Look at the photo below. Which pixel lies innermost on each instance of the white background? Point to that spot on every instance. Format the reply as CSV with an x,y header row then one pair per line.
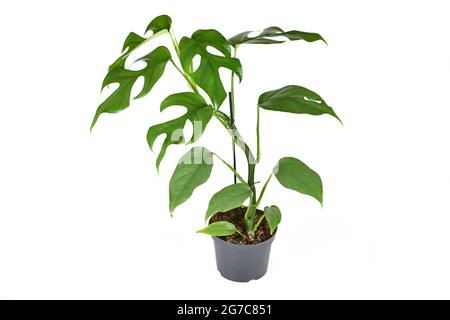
x,y
86,215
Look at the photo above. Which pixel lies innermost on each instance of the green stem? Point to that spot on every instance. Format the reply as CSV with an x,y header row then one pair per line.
x,y
258,144
234,132
174,42
241,234
230,167
189,81
258,223
263,190
232,88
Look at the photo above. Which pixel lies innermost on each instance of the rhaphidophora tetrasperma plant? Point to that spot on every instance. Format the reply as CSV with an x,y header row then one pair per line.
x,y
195,167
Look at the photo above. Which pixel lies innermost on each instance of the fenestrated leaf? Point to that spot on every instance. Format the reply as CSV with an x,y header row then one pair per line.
x,y
159,26
193,169
294,174
120,99
198,113
228,198
273,217
265,37
295,99
207,75
132,42
160,23
219,229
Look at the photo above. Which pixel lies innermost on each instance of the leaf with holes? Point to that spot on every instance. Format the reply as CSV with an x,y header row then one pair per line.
x,y
207,74
219,229
198,113
228,198
193,169
158,26
273,217
295,175
295,99
267,35
160,23
120,99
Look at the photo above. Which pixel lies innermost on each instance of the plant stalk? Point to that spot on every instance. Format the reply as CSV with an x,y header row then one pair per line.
x,y
258,144
235,173
230,98
251,163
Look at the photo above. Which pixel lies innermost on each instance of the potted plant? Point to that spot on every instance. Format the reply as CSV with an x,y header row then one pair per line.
x,y
242,233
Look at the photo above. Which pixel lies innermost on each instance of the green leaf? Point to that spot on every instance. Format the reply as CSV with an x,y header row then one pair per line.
x,y
159,26
219,229
160,23
120,99
207,75
198,113
295,99
193,169
265,37
294,174
273,217
228,198
132,42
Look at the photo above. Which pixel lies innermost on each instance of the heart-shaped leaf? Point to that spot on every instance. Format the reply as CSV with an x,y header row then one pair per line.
x,y
198,113
294,174
159,26
219,229
120,99
265,37
295,99
207,75
228,198
273,217
193,169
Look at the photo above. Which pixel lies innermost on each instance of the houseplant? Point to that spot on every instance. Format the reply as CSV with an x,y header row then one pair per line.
x,y
242,233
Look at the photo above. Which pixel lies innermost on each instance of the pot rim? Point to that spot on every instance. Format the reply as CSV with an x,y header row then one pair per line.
x,y
268,241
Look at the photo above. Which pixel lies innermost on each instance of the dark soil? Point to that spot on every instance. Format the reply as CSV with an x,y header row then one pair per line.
x,y
236,216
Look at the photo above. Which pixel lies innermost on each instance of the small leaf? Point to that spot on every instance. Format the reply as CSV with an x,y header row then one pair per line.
x,y
207,75
160,23
273,217
219,229
193,169
295,99
198,113
120,98
228,198
265,37
294,174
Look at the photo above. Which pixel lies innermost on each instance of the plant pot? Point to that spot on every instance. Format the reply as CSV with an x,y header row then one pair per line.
x,y
242,263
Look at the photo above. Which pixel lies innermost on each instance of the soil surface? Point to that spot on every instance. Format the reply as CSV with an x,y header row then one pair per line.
x,y
236,216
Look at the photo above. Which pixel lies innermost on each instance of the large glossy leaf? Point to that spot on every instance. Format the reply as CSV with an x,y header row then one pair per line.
x,y
219,229
228,198
295,99
198,113
120,99
273,217
267,35
294,174
207,74
158,26
193,169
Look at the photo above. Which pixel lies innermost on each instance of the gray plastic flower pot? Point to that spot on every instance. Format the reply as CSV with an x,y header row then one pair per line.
x,y
242,263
